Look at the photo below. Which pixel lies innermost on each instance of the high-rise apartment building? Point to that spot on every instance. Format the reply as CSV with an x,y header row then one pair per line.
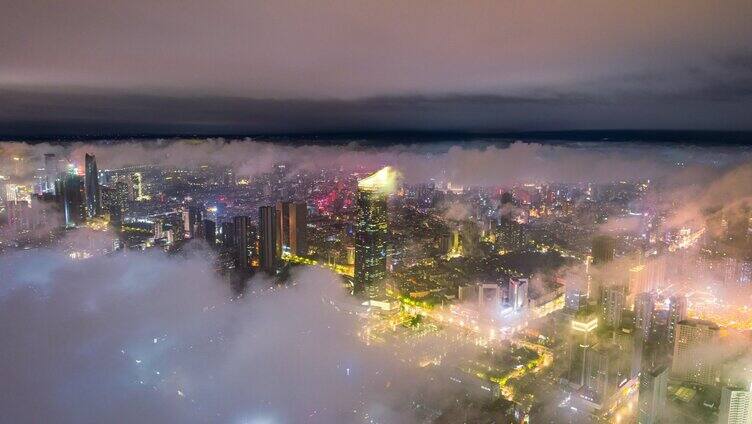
x,y
268,239
736,406
644,308
692,361
245,241
677,311
652,395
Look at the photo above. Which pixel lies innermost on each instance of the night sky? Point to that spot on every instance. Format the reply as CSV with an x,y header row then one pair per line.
x,y
88,67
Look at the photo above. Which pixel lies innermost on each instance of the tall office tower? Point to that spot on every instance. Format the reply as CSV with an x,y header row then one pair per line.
x,y
191,221
291,228
677,311
518,293
652,395
209,231
603,250
692,362
51,172
72,188
298,226
581,339
612,304
227,234
245,242
282,227
268,239
371,232
91,182
644,307
736,406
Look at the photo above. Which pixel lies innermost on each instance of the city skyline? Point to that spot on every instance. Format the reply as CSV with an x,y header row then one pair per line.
x,y
525,281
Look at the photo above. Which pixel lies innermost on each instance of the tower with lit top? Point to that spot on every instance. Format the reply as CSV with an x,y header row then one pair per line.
x,y
71,189
371,231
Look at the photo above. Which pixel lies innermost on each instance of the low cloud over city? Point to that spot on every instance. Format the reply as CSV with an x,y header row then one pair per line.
x,y
147,337
252,281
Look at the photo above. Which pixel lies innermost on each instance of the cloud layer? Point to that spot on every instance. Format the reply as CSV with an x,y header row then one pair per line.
x,y
150,338
475,163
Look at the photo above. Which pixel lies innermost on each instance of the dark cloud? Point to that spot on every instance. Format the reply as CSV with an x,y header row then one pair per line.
x,y
50,114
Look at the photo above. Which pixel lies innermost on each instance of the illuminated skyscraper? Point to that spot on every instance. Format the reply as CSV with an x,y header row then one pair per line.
x,y
137,187
72,188
612,304
581,339
298,225
268,239
576,292
736,406
677,311
644,306
652,396
371,231
91,183
692,362
191,221
291,228
282,236
245,242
